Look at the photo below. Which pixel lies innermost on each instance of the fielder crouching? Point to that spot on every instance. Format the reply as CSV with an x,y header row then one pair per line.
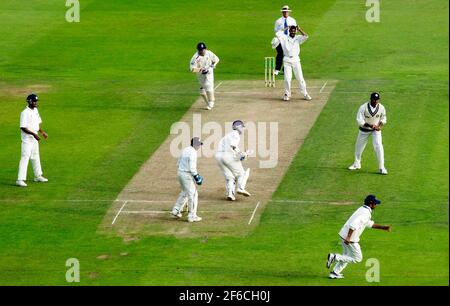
x,y
229,159
188,177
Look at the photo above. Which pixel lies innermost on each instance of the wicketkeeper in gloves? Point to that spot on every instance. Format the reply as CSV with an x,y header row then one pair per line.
x,y
349,236
203,64
230,157
187,177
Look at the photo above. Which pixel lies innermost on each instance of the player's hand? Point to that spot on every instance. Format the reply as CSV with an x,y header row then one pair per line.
x,y
198,179
376,127
36,136
45,135
205,71
388,228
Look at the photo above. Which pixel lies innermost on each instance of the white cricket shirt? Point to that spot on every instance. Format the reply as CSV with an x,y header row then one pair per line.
x,y
360,220
280,23
231,139
30,119
205,61
188,161
371,115
291,46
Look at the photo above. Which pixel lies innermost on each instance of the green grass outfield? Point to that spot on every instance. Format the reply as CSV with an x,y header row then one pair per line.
x,y
105,116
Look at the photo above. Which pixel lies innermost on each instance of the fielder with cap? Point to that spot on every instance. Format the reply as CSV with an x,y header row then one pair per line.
x,y
203,63
30,121
291,49
371,117
280,25
229,158
187,177
349,237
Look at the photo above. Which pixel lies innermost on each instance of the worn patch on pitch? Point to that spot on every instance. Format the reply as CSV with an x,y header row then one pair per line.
x,y
143,207
22,91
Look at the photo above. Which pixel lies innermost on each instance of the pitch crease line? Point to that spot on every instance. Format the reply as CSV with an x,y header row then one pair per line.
x,y
253,214
323,87
118,213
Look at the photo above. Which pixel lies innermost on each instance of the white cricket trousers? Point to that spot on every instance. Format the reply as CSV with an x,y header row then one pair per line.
x,y
361,142
297,67
232,170
188,194
30,150
351,254
207,86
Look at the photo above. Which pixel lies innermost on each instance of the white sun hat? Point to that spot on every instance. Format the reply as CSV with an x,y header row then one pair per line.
x,y
285,9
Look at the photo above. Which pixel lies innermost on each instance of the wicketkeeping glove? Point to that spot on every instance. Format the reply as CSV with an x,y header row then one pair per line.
x,y
198,179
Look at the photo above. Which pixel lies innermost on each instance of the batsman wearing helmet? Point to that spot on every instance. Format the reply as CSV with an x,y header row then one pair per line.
x,y
30,121
229,158
188,177
203,64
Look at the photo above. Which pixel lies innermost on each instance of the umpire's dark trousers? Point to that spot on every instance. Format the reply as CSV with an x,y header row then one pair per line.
x,y
279,58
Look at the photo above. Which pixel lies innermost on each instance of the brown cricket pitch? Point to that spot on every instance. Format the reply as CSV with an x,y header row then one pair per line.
x,y
152,192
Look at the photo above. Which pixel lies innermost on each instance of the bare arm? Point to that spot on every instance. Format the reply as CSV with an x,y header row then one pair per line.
x,y
43,133
301,31
27,131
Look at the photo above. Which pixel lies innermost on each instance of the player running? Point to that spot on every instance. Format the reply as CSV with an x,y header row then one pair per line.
x,y
349,237
203,64
229,158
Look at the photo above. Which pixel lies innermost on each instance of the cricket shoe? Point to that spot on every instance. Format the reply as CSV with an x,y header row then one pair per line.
x,y
383,171
330,259
231,197
285,97
21,184
354,167
307,97
243,192
40,179
334,275
276,72
176,213
210,105
194,219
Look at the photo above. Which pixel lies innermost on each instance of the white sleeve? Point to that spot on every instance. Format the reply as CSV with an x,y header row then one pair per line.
x,y
277,26
360,116
369,224
193,164
39,116
215,59
383,117
24,120
192,63
302,38
280,34
234,141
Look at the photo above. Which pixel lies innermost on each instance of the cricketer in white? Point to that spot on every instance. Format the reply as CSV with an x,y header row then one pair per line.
x,y
203,63
229,158
30,121
349,236
371,117
291,60
188,177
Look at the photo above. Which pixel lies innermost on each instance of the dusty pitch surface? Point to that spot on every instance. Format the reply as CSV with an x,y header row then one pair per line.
x,y
143,206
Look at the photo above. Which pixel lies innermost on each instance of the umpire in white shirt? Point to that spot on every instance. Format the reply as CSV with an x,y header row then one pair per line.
x,y
188,177
280,25
30,121
349,236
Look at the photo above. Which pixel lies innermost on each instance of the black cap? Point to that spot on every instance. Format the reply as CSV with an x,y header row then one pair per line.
x,y
32,98
196,142
201,46
371,199
374,96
